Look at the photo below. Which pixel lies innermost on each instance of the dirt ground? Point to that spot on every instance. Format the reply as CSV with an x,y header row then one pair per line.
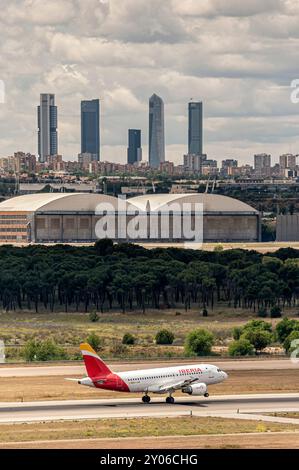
x,y
137,428
237,441
57,388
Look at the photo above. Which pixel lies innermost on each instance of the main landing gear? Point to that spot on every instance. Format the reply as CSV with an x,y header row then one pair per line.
x,y
146,399
170,400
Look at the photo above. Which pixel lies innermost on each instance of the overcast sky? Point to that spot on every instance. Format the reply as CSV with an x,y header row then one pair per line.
x,y
237,56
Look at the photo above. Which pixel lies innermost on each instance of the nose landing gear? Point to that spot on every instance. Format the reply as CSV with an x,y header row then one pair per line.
x,y
207,395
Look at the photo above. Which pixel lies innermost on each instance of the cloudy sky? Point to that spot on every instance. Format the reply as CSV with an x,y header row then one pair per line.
x,y
238,57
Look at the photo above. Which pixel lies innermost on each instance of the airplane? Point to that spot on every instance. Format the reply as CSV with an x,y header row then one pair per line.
x,y
192,380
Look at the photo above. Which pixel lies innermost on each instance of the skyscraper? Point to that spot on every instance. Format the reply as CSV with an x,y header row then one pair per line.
x,y
156,131
195,137
262,164
47,127
90,128
134,148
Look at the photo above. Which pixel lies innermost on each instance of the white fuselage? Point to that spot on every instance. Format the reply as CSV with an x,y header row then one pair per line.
x,y
153,380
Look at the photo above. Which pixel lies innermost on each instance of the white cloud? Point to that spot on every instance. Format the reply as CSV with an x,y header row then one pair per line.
x,y
238,57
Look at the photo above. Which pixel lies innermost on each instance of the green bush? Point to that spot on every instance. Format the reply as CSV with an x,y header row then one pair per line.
x,y
275,312
94,317
259,338
205,313
164,337
288,342
262,313
237,331
128,339
47,350
95,341
199,342
285,327
257,325
241,347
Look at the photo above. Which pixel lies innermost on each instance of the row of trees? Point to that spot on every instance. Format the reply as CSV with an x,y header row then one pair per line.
x,y
107,276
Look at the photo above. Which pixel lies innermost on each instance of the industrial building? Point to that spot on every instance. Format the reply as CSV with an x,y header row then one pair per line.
x,y
75,217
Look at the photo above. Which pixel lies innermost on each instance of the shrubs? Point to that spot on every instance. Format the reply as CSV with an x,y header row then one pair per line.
x,y
289,348
95,341
94,317
257,333
164,337
237,331
205,312
199,342
47,350
285,327
129,339
241,347
262,313
259,338
275,312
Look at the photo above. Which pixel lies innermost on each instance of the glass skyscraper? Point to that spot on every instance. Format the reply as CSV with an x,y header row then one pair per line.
x,y
47,127
195,138
134,147
156,131
90,128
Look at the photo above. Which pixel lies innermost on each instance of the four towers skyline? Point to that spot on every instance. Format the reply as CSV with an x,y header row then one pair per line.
x,y
90,130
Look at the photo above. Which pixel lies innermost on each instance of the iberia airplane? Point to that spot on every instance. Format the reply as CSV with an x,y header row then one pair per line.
x,y
193,380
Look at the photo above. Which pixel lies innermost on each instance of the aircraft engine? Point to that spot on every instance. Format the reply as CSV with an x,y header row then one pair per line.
x,y
196,389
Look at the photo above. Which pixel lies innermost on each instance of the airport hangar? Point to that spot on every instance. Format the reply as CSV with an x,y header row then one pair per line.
x,y
72,217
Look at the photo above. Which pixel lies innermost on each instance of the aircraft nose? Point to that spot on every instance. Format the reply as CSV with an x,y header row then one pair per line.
x,y
225,375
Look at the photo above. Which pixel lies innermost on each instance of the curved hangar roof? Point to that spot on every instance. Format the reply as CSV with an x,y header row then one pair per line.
x,y
64,202
50,202
211,202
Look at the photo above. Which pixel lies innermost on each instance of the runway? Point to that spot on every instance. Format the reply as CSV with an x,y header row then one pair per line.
x,y
79,370
228,406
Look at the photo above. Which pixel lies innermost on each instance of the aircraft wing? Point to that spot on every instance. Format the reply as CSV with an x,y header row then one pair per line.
x,y
177,386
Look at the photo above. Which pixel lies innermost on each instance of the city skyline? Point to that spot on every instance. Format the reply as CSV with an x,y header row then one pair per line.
x,y
231,56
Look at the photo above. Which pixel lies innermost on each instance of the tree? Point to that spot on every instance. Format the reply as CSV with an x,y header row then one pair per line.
x,y
241,347
104,247
237,331
164,337
258,325
262,312
259,338
199,342
285,327
275,312
128,339
205,312
288,344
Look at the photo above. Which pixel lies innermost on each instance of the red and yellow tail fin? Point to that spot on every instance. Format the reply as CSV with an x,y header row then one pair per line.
x,y
94,365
